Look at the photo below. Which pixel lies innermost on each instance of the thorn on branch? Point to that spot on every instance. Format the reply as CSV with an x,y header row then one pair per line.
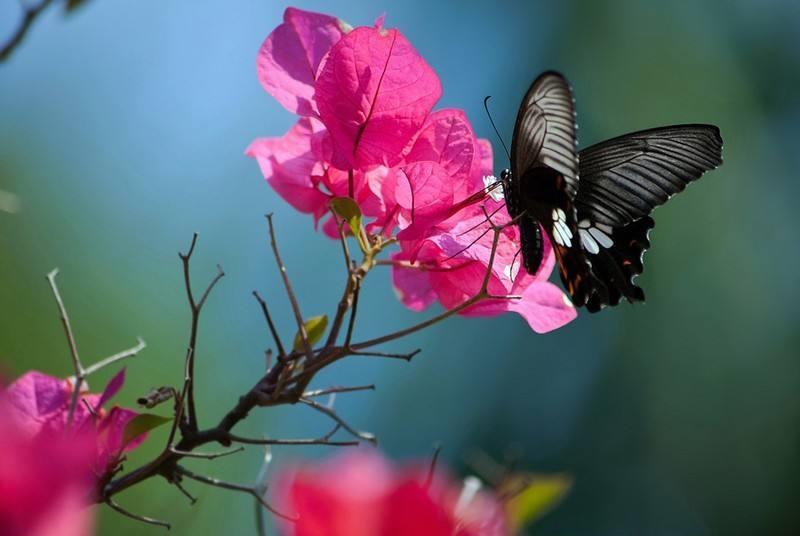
x,y
144,519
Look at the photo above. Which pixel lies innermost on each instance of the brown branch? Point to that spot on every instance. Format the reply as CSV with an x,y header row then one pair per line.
x,y
177,484
405,357
234,487
366,436
205,455
195,307
301,326
270,324
73,347
130,352
29,15
82,373
144,519
332,390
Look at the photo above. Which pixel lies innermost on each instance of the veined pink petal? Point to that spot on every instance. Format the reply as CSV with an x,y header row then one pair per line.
x,y
446,138
112,388
374,91
290,56
543,305
289,165
423,191
413,287
37,399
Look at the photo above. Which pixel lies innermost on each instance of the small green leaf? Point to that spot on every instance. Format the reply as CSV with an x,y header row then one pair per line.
x,y
536,495
140,424
315,329
348,210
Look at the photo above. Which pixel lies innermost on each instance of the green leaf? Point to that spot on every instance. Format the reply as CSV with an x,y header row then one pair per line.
x,y
347,209
140,424
315,329
535,496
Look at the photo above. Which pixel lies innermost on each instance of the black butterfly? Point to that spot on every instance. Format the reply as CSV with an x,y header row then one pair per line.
x,y
595,205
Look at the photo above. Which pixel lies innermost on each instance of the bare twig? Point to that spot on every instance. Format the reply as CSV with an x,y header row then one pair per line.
x,y
206,455
405,357
270,324
177,483
301,327
144,519
29,15
196,307
73,347
366,436
235,487
353,309
130,352
329,390
324,440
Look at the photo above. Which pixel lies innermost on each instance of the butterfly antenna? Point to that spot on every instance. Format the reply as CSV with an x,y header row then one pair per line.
x,y
486,107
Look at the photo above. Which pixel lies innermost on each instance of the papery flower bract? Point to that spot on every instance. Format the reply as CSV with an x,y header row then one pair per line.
x,y
45,480
290,56
374,92
361,494
451,266
291,167
40,405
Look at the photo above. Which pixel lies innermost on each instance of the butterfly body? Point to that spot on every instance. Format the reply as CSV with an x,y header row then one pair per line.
x,y
595,205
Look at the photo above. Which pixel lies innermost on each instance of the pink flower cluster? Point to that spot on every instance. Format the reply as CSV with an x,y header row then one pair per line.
x,y
367,130
48,472
362,494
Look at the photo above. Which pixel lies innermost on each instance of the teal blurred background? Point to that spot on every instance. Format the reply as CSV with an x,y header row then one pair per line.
x,y
122,131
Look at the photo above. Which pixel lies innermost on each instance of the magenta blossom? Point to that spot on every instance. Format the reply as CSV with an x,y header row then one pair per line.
x,y
362,494
40,405
367,131
45,487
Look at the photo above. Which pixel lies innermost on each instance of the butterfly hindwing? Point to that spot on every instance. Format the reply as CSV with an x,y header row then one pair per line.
x,y
622,181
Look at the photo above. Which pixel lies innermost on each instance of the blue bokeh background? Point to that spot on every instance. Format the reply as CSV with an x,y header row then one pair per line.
x,y
122,131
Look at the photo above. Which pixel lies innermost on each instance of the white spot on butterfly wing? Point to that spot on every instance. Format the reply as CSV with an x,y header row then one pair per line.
x,y
588,242
602,238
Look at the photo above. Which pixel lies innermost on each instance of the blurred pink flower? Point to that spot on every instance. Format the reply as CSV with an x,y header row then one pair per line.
x,y
368,132
40,405
45,480
362,494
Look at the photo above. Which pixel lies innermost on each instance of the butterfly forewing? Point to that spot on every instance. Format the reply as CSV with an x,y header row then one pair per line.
x,y
625,178
544,134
